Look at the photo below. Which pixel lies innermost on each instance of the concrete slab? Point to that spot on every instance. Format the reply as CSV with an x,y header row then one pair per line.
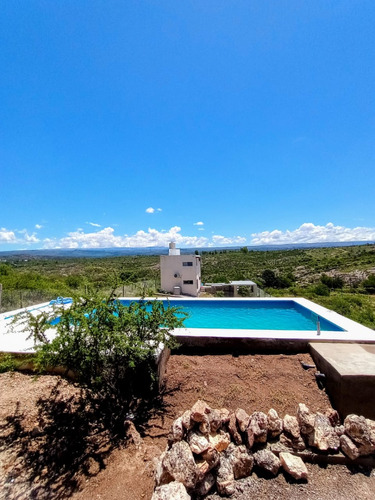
x,y
350,376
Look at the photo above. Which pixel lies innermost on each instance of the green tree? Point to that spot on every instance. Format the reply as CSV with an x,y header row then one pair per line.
x,y
269,278
369,284
332,282
110,347
322,290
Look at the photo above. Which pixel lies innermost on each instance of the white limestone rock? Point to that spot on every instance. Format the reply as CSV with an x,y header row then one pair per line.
x,y
178,463
293,465
220,440
198,442
215,420
200,411
171,491
324,436
363,434
268,461
305,419
348,447
186,420
242,419
233,429
242,461
259,426
291,426
225,477
275,424
177,431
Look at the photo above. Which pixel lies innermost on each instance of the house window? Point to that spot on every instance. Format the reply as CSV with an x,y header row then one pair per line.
x,y
187,264
188,282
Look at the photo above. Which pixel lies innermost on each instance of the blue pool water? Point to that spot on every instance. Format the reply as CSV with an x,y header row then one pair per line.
x,y
250,315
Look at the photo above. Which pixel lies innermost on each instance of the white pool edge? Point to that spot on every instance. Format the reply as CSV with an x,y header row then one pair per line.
x,y
354,332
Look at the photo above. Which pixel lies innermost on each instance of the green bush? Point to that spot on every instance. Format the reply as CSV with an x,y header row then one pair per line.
x,y
322,290
73,282
110,347
7,363
270,280
356,307
369,284
332,282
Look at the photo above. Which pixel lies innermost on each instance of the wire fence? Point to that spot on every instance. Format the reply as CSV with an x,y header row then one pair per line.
x,y
18,299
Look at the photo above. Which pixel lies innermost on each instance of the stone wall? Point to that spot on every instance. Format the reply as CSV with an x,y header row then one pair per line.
x,y
209,449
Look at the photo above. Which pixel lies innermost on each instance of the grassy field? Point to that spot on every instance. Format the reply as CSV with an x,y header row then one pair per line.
x,y
299,272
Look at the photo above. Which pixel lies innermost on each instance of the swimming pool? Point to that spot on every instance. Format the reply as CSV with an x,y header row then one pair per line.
x,y
250,315
242,323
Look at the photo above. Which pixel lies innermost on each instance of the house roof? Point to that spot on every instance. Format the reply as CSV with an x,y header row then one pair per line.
x,y
242,283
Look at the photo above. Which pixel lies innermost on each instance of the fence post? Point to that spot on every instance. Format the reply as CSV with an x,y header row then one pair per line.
x,y
1,293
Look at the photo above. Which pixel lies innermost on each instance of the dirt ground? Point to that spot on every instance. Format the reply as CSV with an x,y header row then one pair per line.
x,y
52,447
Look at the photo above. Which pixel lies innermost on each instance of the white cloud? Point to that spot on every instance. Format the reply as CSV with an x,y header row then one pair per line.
x,y
311,233
94,224
106,238
151,210
199,223
31,238
219,240
7,236
27,238
38,226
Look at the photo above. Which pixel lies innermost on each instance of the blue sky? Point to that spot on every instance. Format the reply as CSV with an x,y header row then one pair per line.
x,y
207,122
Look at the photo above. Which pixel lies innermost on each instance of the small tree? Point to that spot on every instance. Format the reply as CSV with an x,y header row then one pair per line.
x,y
332,282
110,347
322,290
369,284
269,278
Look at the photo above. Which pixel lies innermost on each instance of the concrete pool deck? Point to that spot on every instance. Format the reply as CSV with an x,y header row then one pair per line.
x,y
294,340
349,370
289,339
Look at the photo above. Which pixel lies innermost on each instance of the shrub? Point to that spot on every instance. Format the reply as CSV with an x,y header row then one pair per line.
x,y
73,281
110,347
7,363
369,284
322,290
332,282
270,280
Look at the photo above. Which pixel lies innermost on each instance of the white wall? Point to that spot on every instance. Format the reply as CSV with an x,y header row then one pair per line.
x,y
174,273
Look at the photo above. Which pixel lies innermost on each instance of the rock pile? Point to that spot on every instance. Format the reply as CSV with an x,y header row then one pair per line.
x,y
210,448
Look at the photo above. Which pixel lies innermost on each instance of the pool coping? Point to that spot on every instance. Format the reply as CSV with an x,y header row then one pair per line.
x,y
354,332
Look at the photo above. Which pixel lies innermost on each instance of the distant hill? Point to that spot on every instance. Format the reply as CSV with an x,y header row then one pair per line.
x,y
118,252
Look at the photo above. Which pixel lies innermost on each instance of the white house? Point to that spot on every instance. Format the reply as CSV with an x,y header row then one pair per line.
x,y
180,274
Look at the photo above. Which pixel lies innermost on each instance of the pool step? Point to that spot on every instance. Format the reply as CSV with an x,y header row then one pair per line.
x,y
350,375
